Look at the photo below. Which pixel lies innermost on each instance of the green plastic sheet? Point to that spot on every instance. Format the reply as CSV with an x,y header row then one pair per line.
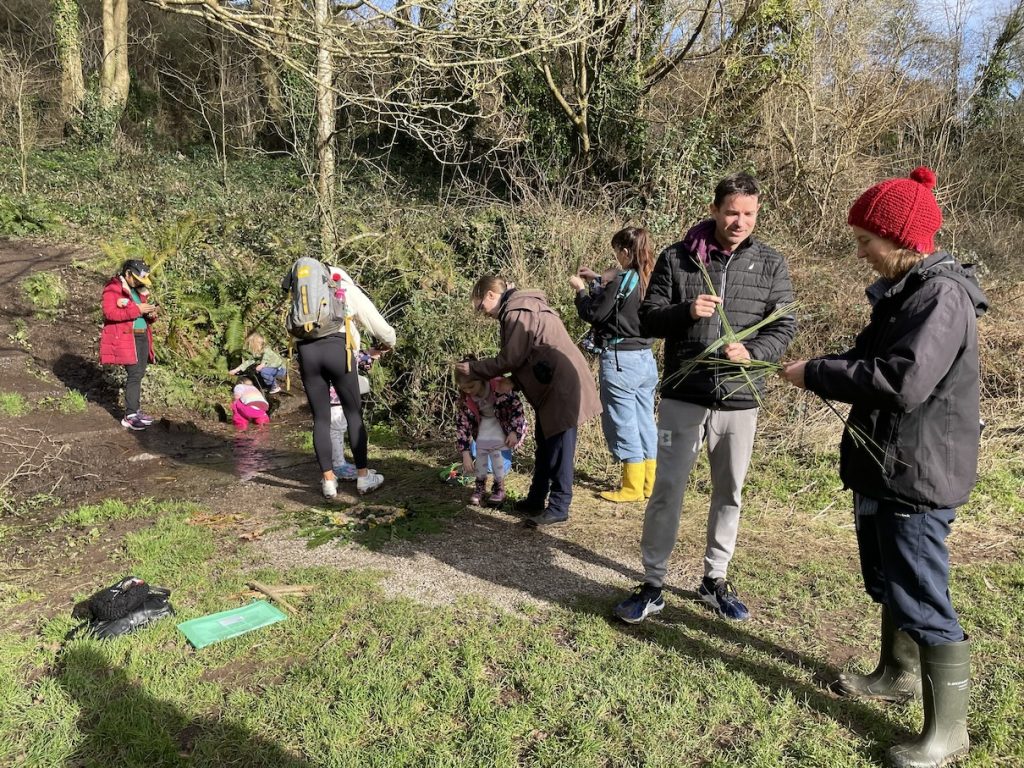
x,y
205,630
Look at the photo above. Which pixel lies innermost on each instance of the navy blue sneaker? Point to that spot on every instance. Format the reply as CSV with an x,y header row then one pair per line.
x,y
548,517
720,595
526,507
133,422
645,601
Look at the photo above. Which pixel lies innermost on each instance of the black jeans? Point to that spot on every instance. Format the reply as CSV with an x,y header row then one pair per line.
x,y
553,470
135,371
321,364
905,565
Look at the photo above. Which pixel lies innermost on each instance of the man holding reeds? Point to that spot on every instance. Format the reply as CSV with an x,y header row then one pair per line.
x,y
722,301
909,453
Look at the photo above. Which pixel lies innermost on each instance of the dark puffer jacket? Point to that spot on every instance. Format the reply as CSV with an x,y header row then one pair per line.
x,y
912,378
753,280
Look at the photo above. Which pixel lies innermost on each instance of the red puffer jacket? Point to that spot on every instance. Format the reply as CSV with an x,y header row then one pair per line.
x,y
117,341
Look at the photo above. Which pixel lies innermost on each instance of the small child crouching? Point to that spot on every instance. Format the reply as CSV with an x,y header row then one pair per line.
x,y
249,405
269,364
492,415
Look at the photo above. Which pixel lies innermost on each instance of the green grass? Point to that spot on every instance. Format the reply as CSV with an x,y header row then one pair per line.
x,y
71,401
19,335
115,509
13,404
361,679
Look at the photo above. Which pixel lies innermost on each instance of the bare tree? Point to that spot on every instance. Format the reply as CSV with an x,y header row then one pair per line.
x,y
19,82
432,71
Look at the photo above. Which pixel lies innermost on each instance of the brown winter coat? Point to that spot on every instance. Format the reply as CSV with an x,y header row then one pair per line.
x,y
544,363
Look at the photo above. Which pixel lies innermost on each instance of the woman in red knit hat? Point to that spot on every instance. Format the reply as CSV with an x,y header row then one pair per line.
x,y
909,453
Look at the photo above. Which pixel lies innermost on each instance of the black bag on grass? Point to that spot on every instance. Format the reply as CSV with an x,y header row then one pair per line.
x,y
114,602
155,605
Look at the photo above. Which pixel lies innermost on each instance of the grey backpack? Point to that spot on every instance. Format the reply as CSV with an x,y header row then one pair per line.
x,y
318,303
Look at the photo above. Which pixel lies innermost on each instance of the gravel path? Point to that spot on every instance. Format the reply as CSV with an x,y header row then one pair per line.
x,y
483,555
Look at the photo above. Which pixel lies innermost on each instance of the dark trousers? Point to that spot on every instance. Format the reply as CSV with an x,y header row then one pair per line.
x,y
135,371
321,364
553,470
905,565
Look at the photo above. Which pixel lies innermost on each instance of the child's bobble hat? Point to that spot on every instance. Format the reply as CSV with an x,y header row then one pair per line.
x,y
902,210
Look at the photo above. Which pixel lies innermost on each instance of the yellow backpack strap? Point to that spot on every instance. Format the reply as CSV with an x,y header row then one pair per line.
x,y
349,344
291,347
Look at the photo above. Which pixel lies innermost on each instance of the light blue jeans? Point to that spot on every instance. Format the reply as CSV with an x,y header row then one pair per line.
x,y
627,394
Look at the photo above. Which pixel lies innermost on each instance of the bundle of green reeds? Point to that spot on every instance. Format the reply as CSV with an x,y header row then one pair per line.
x,y
748,372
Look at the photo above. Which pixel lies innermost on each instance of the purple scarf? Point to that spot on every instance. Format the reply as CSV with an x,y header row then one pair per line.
x,y
700,241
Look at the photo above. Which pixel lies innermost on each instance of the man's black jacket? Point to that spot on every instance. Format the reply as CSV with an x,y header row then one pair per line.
x,y
753,280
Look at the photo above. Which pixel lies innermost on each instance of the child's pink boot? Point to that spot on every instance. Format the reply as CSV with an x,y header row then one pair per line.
x,y
478,492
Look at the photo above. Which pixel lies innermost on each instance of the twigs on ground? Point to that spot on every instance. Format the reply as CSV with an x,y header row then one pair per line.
x,y
277,593
37,459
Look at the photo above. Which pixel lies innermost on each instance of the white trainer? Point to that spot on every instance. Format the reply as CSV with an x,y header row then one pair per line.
x,y
329,487
369,482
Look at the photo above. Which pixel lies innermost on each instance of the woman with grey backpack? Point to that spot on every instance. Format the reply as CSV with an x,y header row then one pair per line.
x,y
326,307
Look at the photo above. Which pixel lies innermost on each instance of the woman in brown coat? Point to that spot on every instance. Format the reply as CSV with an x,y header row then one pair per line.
x,y
552,374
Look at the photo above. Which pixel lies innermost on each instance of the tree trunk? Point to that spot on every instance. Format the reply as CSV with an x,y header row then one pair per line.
x,y
325,121
114,79
68,38
269,67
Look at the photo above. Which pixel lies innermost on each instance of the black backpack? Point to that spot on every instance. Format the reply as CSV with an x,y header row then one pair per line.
x,y
121,608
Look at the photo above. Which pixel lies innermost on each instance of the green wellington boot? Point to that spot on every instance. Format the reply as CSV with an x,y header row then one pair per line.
x,y
946,672
898,674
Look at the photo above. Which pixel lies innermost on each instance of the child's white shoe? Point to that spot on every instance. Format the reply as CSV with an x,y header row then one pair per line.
x,y
371,481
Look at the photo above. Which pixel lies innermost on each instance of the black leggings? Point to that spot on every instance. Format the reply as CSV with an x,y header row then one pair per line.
x,y
133,386
322,363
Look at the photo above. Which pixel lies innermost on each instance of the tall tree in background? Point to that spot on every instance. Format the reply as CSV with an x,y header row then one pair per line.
x,y
68,39
326,117
114,77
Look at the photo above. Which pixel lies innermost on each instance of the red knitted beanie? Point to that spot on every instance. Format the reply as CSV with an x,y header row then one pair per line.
x,y
902,210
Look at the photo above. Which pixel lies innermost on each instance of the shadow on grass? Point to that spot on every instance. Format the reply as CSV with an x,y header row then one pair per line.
x,y
502,551
121,725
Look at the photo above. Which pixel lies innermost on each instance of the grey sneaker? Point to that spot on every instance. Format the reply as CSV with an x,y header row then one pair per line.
x,y
369,482
329,487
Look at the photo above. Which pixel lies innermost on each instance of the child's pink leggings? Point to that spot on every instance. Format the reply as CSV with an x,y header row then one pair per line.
x,y
242,414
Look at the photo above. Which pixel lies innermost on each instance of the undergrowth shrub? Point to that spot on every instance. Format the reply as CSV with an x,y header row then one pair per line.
x,y
21,216
46,293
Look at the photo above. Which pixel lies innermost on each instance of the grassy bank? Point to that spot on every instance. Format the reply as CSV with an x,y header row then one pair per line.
x,y
361,678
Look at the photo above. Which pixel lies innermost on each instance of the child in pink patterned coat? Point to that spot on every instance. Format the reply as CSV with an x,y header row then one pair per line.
x,y
492,415
249,405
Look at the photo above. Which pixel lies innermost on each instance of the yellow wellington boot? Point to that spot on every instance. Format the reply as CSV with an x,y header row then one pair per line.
x,y
632,484
650,465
